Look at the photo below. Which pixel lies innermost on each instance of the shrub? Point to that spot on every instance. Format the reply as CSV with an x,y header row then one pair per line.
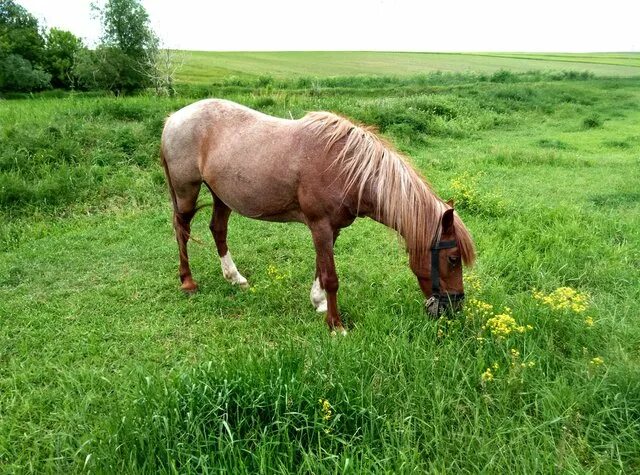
x,y
17,74
503,76
591,122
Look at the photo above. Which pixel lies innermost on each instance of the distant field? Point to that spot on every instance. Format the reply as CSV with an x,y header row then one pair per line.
x,y
205,66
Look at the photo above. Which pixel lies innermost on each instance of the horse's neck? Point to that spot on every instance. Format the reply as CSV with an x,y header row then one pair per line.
x,y
418,205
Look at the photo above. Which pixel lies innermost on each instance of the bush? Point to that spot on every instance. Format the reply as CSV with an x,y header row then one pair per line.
x,y
17,74
592,122
503,76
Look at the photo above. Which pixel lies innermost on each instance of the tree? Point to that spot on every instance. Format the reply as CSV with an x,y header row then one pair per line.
x,y
127,55
61,50
21,50
20,33
17,74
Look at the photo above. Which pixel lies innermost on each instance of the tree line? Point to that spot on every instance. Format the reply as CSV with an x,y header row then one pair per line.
x,y
126,59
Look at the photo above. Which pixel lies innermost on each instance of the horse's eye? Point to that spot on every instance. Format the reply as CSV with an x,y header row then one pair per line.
x,y
453,260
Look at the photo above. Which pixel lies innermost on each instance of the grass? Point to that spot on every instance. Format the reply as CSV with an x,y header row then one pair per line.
x,y
106,367
205,66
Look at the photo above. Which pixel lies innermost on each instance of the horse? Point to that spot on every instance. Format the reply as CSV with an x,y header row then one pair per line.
x,y
322,170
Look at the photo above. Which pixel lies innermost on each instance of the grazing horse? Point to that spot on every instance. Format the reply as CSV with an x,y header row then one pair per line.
x,y
321,170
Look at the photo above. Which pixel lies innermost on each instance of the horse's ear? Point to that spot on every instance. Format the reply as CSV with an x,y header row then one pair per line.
x,y
450,203
447,222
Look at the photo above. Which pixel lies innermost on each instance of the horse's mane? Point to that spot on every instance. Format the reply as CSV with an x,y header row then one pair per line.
x,y
403,199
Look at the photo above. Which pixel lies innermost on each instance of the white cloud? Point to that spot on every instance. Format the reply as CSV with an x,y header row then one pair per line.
x,y
401,25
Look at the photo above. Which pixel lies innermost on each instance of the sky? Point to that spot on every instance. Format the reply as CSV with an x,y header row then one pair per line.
x,y
374,25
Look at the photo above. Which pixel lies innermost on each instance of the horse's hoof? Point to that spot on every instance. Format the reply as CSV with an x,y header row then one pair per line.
x,y
189,287
339,331
243,285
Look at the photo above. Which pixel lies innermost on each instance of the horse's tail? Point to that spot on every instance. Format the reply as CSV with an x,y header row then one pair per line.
x,y
180,225
178,220
172,191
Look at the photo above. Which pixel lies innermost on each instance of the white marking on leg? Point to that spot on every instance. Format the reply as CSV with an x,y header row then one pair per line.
x,y
318,296
230,271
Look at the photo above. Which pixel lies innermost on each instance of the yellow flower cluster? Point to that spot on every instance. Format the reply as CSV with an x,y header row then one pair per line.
x,y
597,361
463,188
504,324
472,281
275,274
588,321
487,376
478,308
564,298
325,406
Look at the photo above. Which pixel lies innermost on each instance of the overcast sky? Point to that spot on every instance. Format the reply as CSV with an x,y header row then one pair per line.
x,y
386,25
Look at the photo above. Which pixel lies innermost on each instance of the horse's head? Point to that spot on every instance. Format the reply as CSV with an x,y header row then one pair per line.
x,y
439,270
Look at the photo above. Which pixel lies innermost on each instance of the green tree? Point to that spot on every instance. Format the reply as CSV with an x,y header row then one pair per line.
x,y
20,33
17,74
127,55
21,50
61,50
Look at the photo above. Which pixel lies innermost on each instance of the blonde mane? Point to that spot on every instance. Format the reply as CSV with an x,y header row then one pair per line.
x,y
402,198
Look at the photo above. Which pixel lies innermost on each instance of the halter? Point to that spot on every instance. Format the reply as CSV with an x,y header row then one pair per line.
x,y
436,298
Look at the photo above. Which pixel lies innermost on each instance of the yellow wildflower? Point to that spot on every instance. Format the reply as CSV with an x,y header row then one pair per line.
x,y
564,298
529,364
478,308
503,325
495,366
588,321
515,353
472,281
487,376
276,274
597,361
325,405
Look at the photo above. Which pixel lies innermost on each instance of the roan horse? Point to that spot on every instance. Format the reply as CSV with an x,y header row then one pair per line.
x,y
321,170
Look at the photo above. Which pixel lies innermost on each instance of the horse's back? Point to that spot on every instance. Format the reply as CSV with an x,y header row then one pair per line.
x,y
248,159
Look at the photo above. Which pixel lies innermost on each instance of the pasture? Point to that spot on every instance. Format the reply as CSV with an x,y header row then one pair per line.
x,y
106,367
205,66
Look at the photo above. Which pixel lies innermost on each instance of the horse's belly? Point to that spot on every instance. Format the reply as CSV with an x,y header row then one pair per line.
x,y
271,198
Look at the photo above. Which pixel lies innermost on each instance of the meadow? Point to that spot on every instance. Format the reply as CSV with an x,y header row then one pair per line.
x,y
106,367
205,66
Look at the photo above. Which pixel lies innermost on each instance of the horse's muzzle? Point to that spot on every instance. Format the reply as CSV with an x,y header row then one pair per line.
x,y
438,305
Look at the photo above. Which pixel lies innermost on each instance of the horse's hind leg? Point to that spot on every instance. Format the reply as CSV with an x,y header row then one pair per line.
x,y
186,198
218,227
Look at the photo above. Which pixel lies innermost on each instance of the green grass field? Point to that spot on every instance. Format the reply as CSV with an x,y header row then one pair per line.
x,y
204,66
105,367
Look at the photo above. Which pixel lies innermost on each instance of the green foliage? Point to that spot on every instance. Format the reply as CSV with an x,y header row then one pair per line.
x,y
21,50
127,56
20,33
62,49
17,74
592,121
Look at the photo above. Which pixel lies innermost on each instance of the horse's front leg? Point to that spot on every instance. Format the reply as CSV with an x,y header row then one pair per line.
x,y
317,294
323,238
